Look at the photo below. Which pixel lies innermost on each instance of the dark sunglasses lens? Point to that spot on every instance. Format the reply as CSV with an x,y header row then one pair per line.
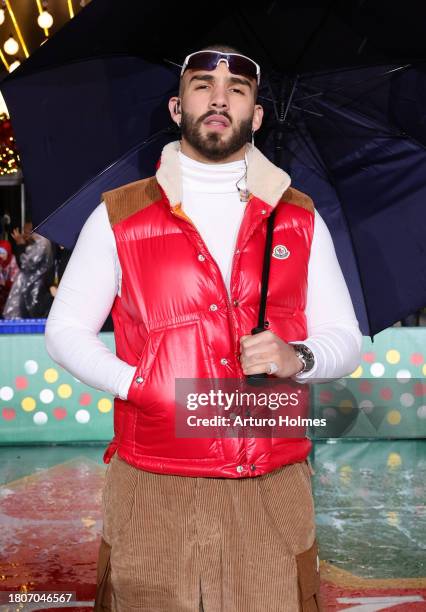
x,y
203,61
240,65
209,61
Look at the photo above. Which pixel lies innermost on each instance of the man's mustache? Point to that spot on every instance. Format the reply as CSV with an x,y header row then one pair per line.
x,y
210,113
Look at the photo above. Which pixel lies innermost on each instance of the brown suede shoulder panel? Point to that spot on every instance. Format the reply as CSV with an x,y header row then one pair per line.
x,y
129,199
293,196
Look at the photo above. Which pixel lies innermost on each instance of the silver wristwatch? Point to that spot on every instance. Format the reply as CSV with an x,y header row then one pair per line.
x,y
306,356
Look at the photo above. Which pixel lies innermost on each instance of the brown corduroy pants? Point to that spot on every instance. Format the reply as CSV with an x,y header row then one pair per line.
x,y
184,544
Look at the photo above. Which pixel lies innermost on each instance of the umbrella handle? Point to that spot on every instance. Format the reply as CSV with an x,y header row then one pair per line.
x,y
257,379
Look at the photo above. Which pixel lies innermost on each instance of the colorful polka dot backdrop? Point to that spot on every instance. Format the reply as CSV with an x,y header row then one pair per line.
x,y
65,391
385,396
357,373
40,401
104,405
21,382
51,375
387,390
393,356
28,404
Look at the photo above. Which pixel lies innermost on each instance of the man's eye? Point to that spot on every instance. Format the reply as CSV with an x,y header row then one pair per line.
x,y
201,86
237,90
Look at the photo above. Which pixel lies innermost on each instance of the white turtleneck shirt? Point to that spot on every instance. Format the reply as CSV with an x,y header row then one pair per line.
x,y
210,198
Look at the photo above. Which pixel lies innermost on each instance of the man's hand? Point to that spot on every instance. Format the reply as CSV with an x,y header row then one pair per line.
x,y
259,350
18,236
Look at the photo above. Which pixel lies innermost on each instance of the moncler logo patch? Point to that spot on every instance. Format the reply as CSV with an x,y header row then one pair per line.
x,y
280,252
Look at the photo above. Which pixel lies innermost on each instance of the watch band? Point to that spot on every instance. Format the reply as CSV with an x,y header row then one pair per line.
x,y
306,356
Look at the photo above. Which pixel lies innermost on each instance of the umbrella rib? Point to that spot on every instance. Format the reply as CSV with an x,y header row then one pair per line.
x,y
167,61
305,110
314,153
386,131
273,100
314,32
321,93
253,34
356,68
290,99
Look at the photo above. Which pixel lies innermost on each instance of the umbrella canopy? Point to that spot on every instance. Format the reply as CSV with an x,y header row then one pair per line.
x,y
89,111
354,140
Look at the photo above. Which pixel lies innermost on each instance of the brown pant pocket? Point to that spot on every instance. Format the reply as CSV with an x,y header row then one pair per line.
x,y
308,577
103,582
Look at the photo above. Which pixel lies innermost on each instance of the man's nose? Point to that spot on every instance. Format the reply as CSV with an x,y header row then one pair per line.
x,y
219,100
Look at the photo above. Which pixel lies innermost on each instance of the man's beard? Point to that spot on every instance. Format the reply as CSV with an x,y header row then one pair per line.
x,y
211,145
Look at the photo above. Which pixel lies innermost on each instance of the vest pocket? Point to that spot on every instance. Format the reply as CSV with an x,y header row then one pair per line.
x,y
170,353
183,353
145,363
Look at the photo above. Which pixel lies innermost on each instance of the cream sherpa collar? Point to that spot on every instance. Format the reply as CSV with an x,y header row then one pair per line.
x,y
264,180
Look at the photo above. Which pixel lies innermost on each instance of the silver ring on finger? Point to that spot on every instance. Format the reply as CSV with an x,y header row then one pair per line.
x,y
272,368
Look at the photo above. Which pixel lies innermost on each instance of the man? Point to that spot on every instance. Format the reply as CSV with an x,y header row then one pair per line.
x,y
215,524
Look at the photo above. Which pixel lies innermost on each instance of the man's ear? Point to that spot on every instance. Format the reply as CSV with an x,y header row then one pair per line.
x,y
257,117
175,109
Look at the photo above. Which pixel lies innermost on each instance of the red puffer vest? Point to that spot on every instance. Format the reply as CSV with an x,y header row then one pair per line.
x,y
173,317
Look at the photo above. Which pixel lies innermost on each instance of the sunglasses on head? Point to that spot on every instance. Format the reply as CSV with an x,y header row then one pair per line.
x,y
209,60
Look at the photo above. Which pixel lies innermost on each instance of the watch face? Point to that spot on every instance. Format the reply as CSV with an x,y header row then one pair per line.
x,y
306,356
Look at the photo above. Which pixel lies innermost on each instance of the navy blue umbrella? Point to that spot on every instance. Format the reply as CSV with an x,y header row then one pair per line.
x,y
354,140
89,111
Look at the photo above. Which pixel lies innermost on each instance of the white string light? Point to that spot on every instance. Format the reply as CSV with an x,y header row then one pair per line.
x,y
45,20
14,65
11,46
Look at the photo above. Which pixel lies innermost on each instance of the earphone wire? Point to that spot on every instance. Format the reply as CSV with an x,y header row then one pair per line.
x,y
243,191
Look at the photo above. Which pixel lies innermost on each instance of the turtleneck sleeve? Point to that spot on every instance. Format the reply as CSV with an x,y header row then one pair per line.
x,y
334,336
82,303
